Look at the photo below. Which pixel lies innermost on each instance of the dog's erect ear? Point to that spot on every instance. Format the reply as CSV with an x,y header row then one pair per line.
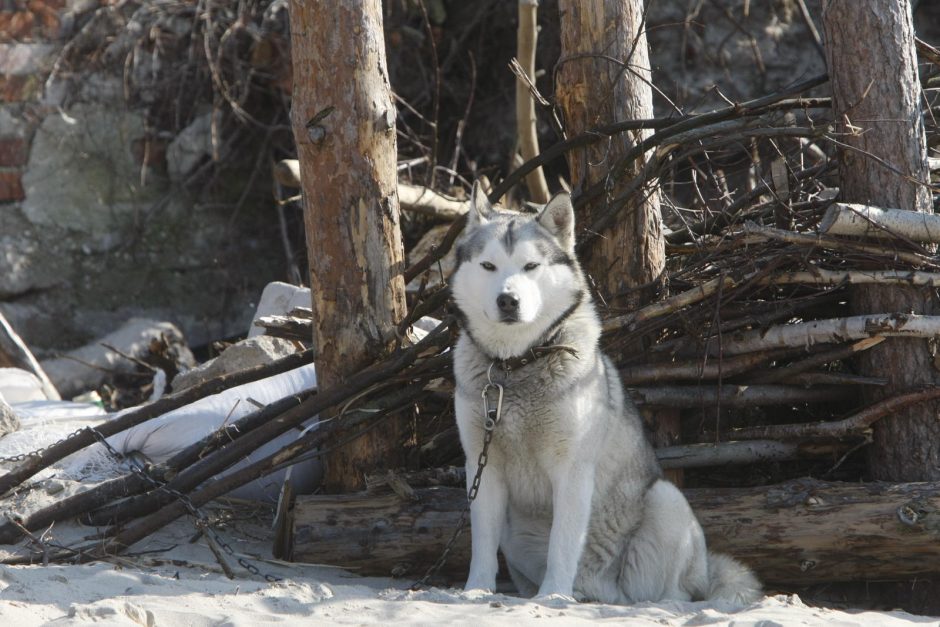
x,y
558,218
480,208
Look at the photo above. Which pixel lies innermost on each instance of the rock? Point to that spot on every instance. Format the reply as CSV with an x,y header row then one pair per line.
x,y
250,352
81,173
190,148
20,386
86,368
278,299
21,59
8,420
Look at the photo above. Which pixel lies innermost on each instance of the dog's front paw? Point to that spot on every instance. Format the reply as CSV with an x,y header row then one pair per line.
x,y
477,581
554,600
475,594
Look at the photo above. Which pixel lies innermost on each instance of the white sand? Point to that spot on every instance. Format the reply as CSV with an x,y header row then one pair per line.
x,y
169,580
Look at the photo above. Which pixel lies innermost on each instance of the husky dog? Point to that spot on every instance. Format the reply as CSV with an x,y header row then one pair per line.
x,y
571,491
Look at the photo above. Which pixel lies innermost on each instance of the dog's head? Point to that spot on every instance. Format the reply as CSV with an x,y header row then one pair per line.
x,y
516,273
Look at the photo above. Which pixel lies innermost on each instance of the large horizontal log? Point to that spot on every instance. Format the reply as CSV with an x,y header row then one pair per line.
x,y
798,533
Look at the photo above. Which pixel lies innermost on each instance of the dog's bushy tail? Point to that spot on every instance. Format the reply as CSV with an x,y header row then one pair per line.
x,y
730,580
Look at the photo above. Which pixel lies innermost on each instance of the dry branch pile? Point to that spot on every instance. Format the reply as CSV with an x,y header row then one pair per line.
x,y
750,336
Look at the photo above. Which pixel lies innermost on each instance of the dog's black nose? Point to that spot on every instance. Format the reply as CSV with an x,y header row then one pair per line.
x,y
508,303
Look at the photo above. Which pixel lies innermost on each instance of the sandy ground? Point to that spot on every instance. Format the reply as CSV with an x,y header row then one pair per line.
x,y
170,579
173,578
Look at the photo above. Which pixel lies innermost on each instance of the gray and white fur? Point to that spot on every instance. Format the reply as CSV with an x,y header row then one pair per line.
x,y
572,492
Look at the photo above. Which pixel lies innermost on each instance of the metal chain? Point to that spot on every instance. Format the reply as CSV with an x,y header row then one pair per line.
x,y
493,416
202,521
20,457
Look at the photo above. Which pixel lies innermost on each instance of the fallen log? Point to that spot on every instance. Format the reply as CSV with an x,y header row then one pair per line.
x,y
835,243
798,533
44,458
730,395
830,331
15,354
867,221
416,198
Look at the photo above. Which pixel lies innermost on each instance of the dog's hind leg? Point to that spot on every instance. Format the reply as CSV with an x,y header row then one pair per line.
x,y
524,585
666,556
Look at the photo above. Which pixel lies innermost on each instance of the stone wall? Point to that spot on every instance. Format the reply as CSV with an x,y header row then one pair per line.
x,y
100,219
110,209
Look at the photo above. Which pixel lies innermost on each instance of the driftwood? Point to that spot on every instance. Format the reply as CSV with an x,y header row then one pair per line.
x,y
701,369
420,199
797,368
58,451
867,221
837,244
416,198
731,395
745,452
797,533
289,327
14,353
259,427
834,330
524,67
857,424
816,276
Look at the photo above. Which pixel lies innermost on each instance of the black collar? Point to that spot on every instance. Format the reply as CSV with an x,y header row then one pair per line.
x,y
533,354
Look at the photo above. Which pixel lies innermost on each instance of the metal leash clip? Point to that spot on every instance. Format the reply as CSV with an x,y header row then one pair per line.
x,y
492,416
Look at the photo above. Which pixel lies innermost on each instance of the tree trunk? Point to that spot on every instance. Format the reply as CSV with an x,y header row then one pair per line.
x,y
344,126
876,100
603,76
799,533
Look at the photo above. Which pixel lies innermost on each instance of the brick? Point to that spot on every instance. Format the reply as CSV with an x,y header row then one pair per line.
x,y
19,88
47,15
13,151
11,186
38,5
17,24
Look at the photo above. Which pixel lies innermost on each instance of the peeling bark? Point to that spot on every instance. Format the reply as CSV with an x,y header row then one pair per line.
x,y
798,533
603,76
344,126
876,99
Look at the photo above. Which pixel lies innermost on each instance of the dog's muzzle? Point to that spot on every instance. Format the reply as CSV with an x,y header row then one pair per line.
x,y
508,305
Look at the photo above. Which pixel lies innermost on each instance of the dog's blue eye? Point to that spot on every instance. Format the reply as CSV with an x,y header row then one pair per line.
x,y
530,266
488,266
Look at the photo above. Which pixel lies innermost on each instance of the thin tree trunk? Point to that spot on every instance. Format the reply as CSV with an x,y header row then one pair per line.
x,y
604,76
344,126
876,99
526,123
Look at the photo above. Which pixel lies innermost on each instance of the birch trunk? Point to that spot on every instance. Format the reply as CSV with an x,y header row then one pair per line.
x,y
344,126
876,98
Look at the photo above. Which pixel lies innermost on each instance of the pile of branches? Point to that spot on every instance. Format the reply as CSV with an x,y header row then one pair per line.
x,y
749,326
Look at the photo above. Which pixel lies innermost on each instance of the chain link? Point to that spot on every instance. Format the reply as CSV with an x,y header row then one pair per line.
x,y
202,521
490,422
21,457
